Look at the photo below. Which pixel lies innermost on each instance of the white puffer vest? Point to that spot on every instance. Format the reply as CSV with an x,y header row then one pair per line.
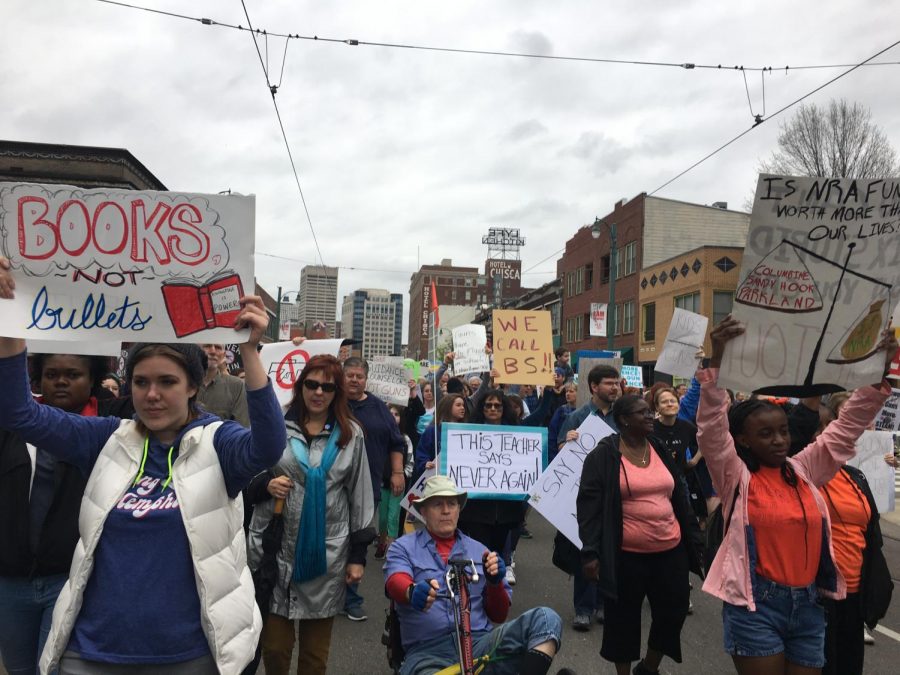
x,y
214,526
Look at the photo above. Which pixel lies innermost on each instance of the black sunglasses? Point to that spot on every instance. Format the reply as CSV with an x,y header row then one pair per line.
x,y
326,387
493,406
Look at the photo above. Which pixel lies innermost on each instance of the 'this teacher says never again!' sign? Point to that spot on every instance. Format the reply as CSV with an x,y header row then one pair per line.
x,y
123,264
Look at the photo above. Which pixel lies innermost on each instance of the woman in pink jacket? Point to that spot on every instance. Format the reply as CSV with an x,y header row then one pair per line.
x,y
776,556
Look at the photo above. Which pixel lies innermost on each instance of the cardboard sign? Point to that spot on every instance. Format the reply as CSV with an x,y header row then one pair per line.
x,y
125,265
598,319
417,490
585,365
469,342
815,291
492,461
633,376
284,361
871,448
388,380
888,418
413,369
523,346
683,340
554,494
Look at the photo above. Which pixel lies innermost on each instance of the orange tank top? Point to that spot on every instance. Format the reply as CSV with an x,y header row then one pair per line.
x,y
850,514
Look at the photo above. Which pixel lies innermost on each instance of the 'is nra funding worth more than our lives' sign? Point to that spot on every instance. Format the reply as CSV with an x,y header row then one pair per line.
x,y
107,264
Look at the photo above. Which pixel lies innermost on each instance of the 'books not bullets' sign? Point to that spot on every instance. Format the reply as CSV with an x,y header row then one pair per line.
x,y
127,265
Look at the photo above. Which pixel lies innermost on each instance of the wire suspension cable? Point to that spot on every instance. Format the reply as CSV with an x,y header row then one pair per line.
x,y
761,119
489,52
287,145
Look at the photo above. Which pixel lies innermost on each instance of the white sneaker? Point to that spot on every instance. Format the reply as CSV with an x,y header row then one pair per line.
x,y
511,575
868,638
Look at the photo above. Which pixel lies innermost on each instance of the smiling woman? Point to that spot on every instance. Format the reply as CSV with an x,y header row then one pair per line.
x,y
159,503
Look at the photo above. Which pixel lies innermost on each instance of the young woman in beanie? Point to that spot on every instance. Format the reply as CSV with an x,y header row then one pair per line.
x,y
159,577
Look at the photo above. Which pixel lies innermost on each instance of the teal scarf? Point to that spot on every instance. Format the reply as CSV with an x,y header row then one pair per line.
x,y
309,555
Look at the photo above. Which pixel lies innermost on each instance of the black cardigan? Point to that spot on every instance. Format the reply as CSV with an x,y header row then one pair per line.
x,y
599,510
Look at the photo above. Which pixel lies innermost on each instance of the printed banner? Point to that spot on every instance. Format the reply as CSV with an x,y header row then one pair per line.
x,y
469,342
633,376
815,293
684,339
554,494
871,448
125,265
598,319
493,461
888,418
388,379
417,490
523,346
284,361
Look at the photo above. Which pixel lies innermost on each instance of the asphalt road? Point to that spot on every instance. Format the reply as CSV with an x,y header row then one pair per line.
x,y
356,648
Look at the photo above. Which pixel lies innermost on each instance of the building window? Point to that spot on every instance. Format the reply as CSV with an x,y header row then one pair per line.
x,y
690,302
722,303
648,322
618,319
579,281
620,254
588,276
604,269
628,316
468,296
631,257
585,326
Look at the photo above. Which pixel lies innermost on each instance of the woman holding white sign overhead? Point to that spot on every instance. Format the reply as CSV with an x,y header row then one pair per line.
x,y
159,576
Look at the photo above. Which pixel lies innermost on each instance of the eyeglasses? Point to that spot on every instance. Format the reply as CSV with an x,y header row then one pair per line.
x,y
326,387
493,406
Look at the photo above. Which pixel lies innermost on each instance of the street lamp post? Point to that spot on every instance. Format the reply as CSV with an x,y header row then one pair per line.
x,y
611,308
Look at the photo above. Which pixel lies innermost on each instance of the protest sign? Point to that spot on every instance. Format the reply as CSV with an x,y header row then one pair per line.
x,y
469,341
683,340
633,376
598,319
871,448
413,369
888,418
553,496
585,365
233,357
493,461
284,361
125,265
815,285
388,379
523,346
91,348
417,490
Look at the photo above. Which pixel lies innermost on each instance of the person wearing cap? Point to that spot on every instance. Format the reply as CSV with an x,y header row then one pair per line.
x,y
414,575
159,579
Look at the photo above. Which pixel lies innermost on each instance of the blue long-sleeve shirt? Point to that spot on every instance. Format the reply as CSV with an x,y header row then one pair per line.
x,y
687,406
426,450
141,603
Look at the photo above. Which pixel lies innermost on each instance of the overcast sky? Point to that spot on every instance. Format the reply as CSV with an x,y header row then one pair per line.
x,y
409,156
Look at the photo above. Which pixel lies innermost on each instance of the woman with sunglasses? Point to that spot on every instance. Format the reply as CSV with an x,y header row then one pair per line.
x,y
639,539
452,408
159,579
323,478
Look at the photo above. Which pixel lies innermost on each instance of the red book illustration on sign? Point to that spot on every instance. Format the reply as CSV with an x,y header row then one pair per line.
x,y
195,306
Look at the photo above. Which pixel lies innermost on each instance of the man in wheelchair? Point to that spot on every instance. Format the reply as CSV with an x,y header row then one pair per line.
x,y
416,574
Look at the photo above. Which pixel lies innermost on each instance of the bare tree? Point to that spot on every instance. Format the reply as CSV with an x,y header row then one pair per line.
x,y
839,140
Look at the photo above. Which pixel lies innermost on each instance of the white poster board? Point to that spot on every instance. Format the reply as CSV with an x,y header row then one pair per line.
x,y
683,340
126,265
388,379
815,285
554,494
888,418
90,348
492,461
871,448
416,491
468,348
598,319
284,361
633,376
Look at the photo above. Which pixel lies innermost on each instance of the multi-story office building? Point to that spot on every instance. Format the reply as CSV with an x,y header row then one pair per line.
x,y
318,297
373,316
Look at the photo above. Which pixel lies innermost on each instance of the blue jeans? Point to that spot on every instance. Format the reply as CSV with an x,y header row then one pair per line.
x,y
586,596
508,641
26,607
352,597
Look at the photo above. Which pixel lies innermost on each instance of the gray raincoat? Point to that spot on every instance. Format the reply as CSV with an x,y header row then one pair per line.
x,y
349,509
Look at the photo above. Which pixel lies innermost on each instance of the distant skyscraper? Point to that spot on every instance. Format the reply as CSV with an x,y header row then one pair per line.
x,y
318,296
374,316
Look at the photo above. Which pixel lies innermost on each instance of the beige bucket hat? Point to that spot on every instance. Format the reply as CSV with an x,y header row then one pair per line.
x,y
440,486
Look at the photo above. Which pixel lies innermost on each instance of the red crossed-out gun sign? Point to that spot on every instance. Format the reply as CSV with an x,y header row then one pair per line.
x,y
289,368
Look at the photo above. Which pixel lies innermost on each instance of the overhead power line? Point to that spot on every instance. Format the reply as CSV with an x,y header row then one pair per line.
x,y
486,52
760,119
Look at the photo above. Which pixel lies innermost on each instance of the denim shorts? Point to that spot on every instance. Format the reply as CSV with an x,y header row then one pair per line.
x,y
789,620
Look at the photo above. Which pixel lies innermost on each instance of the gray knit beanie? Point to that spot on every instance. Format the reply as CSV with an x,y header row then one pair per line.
x,y
194,356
